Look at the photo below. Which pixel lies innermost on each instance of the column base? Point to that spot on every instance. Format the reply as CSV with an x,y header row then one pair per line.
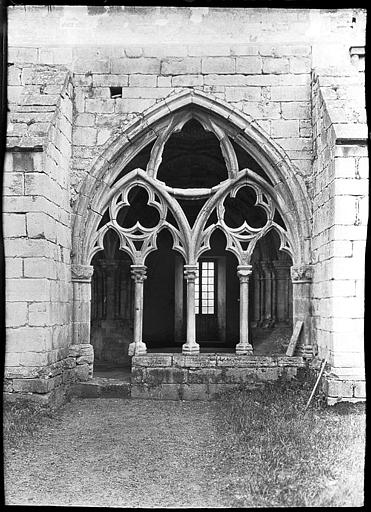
x,y
191,348
244,348
306,351
137,349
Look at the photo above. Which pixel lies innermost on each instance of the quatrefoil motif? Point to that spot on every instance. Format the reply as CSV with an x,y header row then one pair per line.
x,y
138,212
243,208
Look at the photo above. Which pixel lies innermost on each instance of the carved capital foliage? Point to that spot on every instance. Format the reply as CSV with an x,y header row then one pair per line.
x,y
190,272
81,272
302,274
244,272
138,273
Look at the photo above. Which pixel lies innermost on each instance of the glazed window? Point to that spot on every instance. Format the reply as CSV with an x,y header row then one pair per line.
x,y
205,289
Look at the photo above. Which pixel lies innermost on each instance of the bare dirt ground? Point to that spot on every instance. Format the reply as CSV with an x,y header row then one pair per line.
x,y
120,453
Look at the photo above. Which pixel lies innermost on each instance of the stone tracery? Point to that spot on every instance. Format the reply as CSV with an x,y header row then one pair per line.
x,y
191,241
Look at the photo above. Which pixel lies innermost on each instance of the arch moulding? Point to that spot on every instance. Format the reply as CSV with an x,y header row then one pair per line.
x,y
288,187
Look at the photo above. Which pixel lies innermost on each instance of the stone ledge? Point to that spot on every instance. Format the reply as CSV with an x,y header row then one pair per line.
x,y
244,361
194,361
152,360
100,388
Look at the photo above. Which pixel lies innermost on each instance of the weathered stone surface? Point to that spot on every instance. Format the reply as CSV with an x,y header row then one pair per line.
x,y
296,361
305,96
161,392
194,361
36,385
205,376
340,388
360,389
245,361
16,314
146,66
157,376
248,65
275,65
221,65
152,360
174,66
85,359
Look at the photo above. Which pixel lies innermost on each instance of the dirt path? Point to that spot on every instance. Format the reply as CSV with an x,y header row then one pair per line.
x,y
125,453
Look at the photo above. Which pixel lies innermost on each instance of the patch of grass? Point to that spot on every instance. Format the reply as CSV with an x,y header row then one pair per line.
x,y
278,455
22,419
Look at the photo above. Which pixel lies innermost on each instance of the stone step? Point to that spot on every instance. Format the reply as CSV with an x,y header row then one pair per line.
x,y
99,387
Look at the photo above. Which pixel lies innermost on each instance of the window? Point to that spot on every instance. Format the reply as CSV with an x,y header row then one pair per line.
x,y
116,92
205,288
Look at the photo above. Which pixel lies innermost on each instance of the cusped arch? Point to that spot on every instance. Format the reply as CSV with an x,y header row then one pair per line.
x,y
288,186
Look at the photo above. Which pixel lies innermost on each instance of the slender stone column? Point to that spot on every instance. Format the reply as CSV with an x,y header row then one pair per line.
x,y
138,273
243,272
191,347
302,279
81,280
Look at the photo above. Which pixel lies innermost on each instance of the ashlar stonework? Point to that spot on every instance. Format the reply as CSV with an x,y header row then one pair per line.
x,y
163,200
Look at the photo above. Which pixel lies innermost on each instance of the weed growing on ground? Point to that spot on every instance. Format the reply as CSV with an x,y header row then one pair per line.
x,y
289,457
21,419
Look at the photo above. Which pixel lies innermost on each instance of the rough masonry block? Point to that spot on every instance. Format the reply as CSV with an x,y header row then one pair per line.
x,y
290,93
85,136
13,267
359,389
14,225
194,361
219,65
27,339
173,66
16,314
186,80
275,66
98,106
249,65
13,184
39,267
285,128
242,94
20,290
161,392
142,81
130,105
152,360
146,66
40,225
205,376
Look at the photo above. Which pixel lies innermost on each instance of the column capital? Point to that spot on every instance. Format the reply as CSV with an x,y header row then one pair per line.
x,y
81,273
138,273
190,272
301,274
244,272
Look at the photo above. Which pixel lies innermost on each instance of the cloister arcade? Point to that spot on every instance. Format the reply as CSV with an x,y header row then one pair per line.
x,y
197,205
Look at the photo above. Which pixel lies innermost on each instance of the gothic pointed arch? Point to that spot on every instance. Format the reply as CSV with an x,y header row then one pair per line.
x,y
102,190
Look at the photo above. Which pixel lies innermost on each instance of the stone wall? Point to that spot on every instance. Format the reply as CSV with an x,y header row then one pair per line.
x,y
37,226
203,376
67,101
340,199
266,82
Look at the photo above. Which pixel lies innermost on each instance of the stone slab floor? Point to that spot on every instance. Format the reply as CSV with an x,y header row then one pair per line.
x,y
120,453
